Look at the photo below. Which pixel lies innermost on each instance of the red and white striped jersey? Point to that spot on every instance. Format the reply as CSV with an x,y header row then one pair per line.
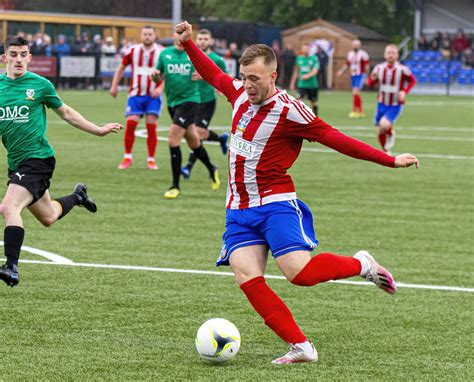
x,y
392,79
265,141
357,61
267,138
143,62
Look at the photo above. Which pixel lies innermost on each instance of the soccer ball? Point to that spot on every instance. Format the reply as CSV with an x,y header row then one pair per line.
x,y
217,340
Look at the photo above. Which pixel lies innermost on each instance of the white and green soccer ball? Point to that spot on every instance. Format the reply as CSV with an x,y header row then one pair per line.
x,y
217,340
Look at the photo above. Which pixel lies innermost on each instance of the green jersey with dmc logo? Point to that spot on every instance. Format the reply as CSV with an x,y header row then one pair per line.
x,y
177,69
208,92
306,65
23,103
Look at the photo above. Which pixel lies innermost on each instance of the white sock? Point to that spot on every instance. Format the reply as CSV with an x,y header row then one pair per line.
x,y
364,264
128,156
151,158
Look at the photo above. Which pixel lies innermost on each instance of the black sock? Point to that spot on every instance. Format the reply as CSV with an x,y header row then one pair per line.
x,y
176,159
191,160
201,154
67,202
12,240
213,137
315,109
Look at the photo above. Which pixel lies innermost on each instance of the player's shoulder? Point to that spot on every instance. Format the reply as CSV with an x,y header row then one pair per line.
x,y
298,111
36,78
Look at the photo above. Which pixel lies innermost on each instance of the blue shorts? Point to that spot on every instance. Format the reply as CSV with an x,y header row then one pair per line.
x,y
389,112
139,105
283,226
358,81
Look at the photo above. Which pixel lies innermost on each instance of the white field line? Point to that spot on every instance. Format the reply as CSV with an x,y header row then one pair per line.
x,y
215,273
48,255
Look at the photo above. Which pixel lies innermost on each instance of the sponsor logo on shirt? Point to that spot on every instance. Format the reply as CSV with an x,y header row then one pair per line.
x,y
16,113
183,69
30,93
242,147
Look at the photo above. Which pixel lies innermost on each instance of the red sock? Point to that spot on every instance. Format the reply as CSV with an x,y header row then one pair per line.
x,y
273,310
129,136
382,139
358,102
151,141
354,102
327,266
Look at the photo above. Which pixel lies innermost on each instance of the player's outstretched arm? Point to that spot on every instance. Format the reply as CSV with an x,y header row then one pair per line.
x,y
75,119
209,71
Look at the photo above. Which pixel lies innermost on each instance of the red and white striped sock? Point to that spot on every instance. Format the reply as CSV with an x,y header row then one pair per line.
x,y
327,266
273,310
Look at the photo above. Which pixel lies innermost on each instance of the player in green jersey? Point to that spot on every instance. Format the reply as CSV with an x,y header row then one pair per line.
x,y
182,95
24,98
207,105
305,76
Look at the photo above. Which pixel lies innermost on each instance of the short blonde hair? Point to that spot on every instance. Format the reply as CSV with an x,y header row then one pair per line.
x,y
258,50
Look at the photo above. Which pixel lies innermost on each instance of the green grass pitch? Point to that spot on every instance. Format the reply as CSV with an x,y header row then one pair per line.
x,y
87,323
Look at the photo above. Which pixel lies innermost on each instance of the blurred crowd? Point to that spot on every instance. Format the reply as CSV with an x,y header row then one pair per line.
x,y
457,47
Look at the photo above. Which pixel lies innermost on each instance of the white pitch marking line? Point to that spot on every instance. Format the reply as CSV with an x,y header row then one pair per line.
x,y
215,273
48,255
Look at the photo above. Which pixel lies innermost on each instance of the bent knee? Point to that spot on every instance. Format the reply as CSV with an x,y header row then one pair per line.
x,y
47,222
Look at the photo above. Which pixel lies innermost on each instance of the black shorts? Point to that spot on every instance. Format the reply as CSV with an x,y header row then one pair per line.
x,y
312,94
204,116
34,175
184,115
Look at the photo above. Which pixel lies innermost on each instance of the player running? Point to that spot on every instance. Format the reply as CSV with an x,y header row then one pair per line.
x,y
182,95
144,96
305,76
207,105
31,161
396,80
263,212
358,62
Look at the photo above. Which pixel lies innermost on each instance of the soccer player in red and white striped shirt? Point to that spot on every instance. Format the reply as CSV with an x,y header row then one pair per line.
x,y
144,97
395,81
263,212
358,62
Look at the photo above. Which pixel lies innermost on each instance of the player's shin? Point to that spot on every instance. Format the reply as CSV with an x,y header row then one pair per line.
x,y
13,239
327,266
176,159
151,140
202,155
273,310
129,137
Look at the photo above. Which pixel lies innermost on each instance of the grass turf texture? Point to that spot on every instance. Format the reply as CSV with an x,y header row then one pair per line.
x,y
66,322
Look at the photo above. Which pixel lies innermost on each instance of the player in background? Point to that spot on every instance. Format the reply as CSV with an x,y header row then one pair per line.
x,y
305,76
183,98
207,105
263,212
358,62
395,81
144,96
31,161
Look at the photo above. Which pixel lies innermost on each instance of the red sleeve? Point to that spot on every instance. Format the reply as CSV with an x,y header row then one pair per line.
x,y
320,131
371,82
127,59
411,82
210,72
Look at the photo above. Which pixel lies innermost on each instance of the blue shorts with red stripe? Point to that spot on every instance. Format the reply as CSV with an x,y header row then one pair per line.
x,y
284,227
358,81
140,105
390,112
